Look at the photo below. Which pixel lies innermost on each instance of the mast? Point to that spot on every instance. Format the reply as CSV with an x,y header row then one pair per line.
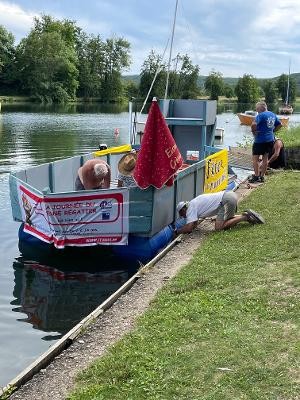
x,y
171,47
288,86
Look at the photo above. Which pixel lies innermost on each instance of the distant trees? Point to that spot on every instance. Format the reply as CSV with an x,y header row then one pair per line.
x,y
183,77
282,84
58,62
247,89
47,61
7,54
270,91
214,85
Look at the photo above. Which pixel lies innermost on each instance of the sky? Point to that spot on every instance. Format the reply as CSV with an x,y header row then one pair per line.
x,y
233,37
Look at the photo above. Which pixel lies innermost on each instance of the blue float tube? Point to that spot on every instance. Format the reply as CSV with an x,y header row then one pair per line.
x,y
145,248
138,248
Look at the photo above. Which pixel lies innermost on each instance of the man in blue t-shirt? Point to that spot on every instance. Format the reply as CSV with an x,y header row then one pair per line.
x,y
263,128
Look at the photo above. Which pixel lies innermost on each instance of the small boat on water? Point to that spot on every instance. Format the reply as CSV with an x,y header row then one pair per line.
x,y
286,109
247,117
133,222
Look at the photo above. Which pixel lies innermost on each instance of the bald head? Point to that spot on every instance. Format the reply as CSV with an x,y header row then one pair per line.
x,y
94,174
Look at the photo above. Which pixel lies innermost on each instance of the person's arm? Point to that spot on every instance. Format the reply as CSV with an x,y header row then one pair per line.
x,y
106,183
188,228
277,127
276,150
253,127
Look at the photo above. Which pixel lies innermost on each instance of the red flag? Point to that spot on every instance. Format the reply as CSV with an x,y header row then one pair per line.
x,y
159,158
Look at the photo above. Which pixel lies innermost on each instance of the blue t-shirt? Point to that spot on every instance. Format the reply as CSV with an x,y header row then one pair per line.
x,y
266,122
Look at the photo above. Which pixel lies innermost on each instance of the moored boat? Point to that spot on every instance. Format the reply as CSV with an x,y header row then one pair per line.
x,y
247,117
132,221
286,109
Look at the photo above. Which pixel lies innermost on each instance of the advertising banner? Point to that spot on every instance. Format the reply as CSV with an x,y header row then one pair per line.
x,y
75,219
216,172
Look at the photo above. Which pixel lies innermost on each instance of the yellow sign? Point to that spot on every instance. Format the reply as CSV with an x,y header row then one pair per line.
x,y
216,172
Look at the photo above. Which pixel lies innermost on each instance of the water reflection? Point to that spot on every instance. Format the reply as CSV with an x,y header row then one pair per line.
x,y
55,299
69,108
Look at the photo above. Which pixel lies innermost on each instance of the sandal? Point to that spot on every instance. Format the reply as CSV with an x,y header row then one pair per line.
x,y
253,217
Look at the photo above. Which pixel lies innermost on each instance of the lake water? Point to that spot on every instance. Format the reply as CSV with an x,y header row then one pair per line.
x,y
40,301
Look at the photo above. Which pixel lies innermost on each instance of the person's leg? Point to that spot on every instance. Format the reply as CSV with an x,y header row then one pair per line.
x,y
230,223
255,161
264,165
256,154
226,217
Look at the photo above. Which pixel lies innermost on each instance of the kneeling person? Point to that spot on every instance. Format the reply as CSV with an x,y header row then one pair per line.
x,y
222,204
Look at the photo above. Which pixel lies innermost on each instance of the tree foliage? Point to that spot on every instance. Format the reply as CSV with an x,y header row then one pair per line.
x,y
57,62
7,53
151,66
282,86
228,91
247,90
270,91
47,60
183,77
214,85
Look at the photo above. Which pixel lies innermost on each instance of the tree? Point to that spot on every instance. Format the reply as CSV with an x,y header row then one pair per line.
x,y
282,86
47,60
116,59
247,90
228,91
130,89
214,85
183,77
91,56
187,78
270,91
7,54
151,65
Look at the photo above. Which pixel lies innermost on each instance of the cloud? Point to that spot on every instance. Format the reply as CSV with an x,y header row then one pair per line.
x,y
233,37
15,19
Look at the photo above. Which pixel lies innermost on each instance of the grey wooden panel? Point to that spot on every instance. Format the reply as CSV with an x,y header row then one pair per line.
x,y
185,188
64,173
211,111
140,210
200,180
140,224
113,162
38,177
20,175
163,208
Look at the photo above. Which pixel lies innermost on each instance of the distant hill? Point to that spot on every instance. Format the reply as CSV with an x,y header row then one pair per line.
x,y
229,81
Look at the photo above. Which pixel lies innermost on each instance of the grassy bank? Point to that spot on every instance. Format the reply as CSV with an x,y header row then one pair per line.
x,y
227,326
290,137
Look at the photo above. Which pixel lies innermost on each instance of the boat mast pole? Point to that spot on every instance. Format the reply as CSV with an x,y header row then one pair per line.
x,y
288,86
171,47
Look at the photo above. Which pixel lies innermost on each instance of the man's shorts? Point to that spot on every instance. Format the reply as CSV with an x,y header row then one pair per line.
x,y
262,148
228,206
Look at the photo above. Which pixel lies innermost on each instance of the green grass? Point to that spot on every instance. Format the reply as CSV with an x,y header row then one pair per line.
x,y
290,137
234,306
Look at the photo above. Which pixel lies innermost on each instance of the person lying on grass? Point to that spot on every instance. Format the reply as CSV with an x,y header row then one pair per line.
x,y
222,204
